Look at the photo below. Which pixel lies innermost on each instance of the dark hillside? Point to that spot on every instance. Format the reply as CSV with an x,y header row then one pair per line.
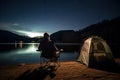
x,y
9,37
108,29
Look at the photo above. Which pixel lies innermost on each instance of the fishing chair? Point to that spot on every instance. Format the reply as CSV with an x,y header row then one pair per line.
x,y
51,61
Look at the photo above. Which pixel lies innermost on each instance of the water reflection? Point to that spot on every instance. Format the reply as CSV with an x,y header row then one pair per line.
x,y
16,53
28,49
20,44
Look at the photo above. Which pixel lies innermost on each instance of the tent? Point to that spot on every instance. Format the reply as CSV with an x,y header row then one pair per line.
x,y
95,52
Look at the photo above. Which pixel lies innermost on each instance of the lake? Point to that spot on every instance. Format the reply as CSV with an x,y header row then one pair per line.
x,y
17,53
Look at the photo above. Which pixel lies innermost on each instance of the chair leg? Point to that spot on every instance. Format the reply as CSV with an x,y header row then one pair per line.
x,y
57,62
42,60
47,62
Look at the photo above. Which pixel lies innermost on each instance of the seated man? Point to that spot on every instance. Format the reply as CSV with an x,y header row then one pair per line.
x,y
47,47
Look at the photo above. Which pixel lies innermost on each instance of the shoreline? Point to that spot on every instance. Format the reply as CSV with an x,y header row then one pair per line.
x,y
71,70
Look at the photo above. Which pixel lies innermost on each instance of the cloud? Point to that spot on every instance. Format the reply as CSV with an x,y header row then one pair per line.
x,y
15,24
9,26
21,29
29,33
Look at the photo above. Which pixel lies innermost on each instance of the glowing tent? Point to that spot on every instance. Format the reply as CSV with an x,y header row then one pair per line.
x,y
95,52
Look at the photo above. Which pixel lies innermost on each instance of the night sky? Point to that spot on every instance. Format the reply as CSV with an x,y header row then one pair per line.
x,y
38,16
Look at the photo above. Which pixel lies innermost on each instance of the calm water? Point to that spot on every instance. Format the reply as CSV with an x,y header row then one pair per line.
x,y
16,53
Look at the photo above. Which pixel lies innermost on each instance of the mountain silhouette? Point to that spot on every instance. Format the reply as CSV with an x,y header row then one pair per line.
x,y
107,29
9,37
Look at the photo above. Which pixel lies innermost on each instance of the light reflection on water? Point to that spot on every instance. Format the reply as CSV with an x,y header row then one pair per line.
x,y
26,53
29,50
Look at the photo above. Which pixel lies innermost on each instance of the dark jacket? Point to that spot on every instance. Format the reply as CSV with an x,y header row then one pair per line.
x,y
48,48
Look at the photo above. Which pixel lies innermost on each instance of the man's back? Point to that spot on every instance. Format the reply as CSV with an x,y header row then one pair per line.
x,y
48,48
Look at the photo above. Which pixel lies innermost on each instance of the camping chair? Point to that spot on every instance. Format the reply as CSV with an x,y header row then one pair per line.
x,y
52,60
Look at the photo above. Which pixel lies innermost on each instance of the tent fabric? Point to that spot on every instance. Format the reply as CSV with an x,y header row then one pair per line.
x,y
84,57
95,51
